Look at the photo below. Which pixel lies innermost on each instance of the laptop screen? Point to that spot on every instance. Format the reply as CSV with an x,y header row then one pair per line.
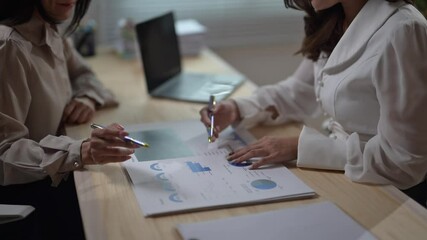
x,y
159,48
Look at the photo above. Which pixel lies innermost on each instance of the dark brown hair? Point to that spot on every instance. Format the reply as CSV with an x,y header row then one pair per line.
x,y
20,11
323,29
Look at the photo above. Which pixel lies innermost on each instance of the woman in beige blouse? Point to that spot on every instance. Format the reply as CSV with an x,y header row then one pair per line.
x,y
44,84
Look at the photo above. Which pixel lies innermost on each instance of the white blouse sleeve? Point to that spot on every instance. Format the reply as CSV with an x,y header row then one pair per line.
x,y
398,153
294,99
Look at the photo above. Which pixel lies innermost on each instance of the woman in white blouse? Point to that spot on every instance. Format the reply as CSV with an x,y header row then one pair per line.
x,y
45,84
365,71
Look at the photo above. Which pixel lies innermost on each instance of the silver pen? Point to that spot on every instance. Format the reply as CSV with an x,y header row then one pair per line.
x,y
211,108
126,138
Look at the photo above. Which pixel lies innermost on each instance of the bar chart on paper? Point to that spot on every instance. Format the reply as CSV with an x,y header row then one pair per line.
x,y
197,167
184,172
204,182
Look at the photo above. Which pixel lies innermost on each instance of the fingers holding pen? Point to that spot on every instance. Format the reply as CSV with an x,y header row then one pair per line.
x,y
222,114
204,116
92,153
107,144
114,135
107,154
207,116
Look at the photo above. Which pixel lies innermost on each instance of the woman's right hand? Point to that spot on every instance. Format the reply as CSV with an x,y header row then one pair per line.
x,y
225,113
107,146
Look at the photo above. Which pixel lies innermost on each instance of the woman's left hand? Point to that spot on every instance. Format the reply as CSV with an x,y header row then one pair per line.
x,y
269,150
78,110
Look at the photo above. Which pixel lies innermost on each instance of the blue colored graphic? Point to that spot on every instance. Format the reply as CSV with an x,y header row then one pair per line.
x,y
155,167
167,186
196,167
263,184
241,164
175,198
161,176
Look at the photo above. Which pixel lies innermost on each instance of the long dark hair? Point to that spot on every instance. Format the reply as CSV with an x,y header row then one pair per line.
x,y
323,29
20,11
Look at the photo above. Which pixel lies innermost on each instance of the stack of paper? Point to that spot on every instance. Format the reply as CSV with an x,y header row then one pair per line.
x,y
315,221
200,177
191,36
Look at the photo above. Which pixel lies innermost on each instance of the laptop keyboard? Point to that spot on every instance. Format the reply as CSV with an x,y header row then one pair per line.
x,y
199,86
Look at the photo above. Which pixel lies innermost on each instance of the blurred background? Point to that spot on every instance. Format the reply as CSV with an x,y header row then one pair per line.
x,y
257,37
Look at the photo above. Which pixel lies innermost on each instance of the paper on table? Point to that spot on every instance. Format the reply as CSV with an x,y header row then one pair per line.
x,y
315,221
204,182
11,213
203,178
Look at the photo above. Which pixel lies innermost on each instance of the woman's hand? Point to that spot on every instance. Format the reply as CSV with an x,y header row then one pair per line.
x,y
269,150
78,110
107,145
225,113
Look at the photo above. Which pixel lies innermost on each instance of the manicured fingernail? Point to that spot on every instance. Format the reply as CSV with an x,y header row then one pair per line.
x,y
130,151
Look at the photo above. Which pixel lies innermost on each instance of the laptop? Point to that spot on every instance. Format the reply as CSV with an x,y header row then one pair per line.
x,y
161,60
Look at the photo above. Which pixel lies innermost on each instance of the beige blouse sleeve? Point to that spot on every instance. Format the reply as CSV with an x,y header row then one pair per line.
x,y
84,81
23,160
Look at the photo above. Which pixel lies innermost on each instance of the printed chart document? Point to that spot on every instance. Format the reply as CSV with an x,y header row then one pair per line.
x,y
201,177
314,221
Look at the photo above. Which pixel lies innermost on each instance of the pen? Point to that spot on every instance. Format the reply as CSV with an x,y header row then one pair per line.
x,y
126,138
211,108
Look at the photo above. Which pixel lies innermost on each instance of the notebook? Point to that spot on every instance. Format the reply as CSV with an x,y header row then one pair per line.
x,y
161,60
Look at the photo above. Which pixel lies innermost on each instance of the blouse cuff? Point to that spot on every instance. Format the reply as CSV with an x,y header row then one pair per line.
x,y
311,155
106,100
61,157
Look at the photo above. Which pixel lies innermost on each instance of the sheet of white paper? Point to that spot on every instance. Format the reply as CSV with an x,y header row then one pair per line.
x,y
188,27
164,183
10,213
315,221
199,182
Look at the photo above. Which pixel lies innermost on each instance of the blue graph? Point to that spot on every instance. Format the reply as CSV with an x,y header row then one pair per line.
x,y
263,184
167,186
241,164
161,176
155,167
175,198
197,167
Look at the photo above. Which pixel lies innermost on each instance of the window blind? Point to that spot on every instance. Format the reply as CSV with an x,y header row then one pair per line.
x,y
229,22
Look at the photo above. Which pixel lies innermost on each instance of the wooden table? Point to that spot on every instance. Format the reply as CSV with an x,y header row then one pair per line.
x,y
109,207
